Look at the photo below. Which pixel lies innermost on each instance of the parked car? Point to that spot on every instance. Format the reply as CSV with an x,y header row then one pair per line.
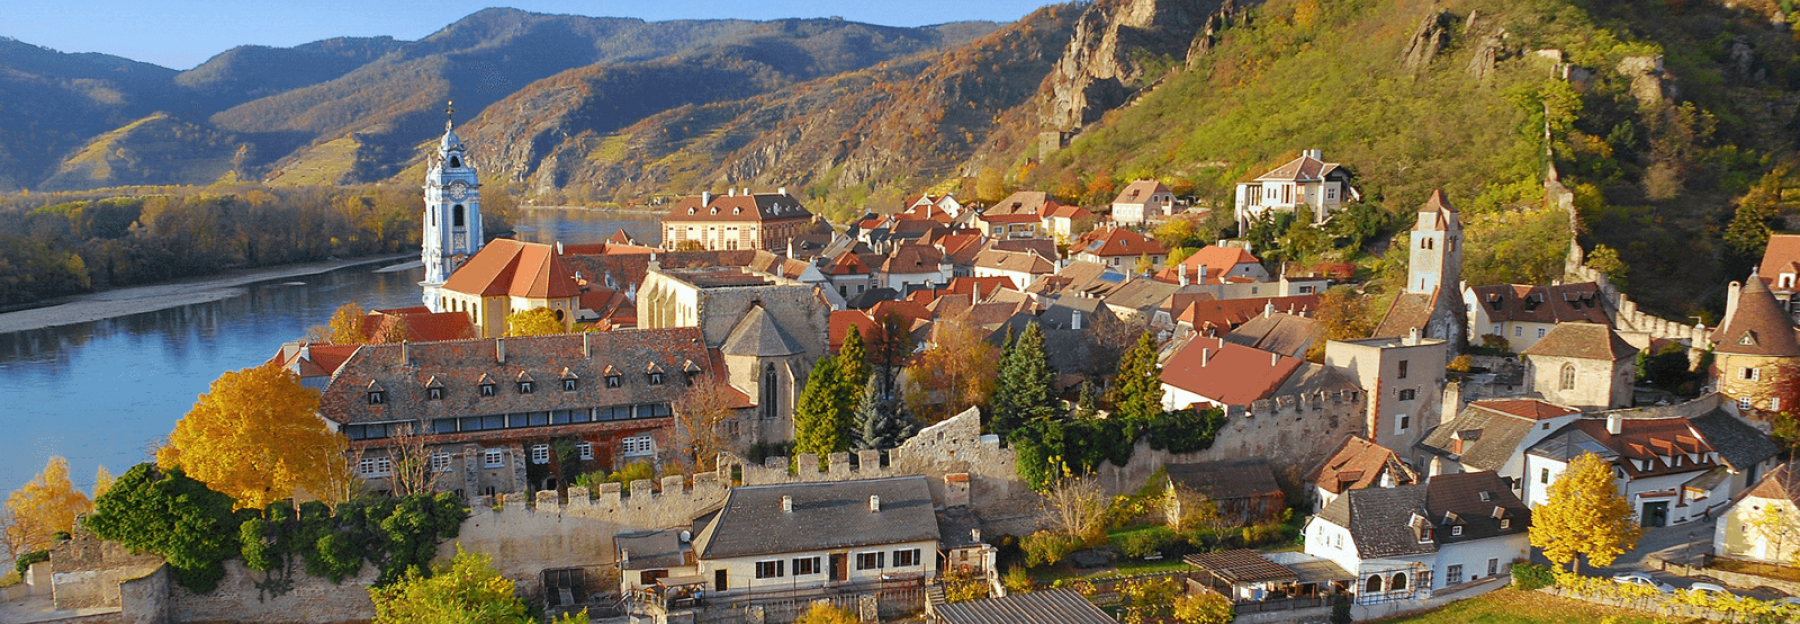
x,y
1710,588
1644,580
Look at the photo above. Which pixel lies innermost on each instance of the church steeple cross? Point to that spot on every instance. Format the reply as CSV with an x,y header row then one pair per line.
x,y
449,113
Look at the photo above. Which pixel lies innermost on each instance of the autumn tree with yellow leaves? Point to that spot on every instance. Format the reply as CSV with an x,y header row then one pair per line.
x,y
42,508
534,322
1585,515
255,436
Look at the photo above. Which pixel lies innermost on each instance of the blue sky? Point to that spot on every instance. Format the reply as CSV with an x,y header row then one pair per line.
x,y
184,33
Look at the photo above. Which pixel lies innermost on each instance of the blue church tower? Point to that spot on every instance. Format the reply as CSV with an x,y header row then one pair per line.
x,y
452,215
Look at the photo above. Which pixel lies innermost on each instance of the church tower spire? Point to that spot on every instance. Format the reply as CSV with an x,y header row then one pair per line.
x,y
452,231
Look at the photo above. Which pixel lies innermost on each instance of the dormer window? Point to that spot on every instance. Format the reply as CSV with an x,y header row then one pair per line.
x,y
690,211
656,379
487,389
569,384
434,394
377,397
1424,535
737,211
1456,530
1787,280
1505,523
612,381
526,387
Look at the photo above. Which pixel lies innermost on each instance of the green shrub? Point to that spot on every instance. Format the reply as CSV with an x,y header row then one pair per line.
x,y
1045,547
1017,580
1145,543
25,560
1530,576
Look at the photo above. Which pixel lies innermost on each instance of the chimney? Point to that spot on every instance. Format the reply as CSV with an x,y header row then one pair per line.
x,y
1202,275
405,353
787,504
705,198
624,557
1452,403
1205,356
1268,308
500,350
731,192
1731,302
1075,319
976,298
1614,423
746,191
1181,270
781,190
874,503
1315,154
975,535
559,248
1412,337
1274,358
587,345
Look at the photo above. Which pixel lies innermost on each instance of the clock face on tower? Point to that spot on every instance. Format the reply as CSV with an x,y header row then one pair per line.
x,y
459,190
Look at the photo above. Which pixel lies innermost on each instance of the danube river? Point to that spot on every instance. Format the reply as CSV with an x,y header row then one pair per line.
x,y
107,392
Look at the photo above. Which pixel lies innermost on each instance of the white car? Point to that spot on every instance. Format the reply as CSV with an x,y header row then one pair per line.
x,y
1644,580
1710,588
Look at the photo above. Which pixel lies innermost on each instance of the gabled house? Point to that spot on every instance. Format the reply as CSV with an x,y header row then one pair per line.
x,y
1214,263
1022,268
1522,314
1582,365
816,536
1759,524
1060,221
1144,301
1673,465
1780,268
931,206
1490,435
1143,200
736,220
1241,491
1408,541
1278,332
1120,250
914,266
1320,186
1210,372
1356,464
509,276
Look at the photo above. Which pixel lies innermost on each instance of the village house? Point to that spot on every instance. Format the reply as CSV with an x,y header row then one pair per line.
x,y
1355,464
1490,435
931,206
914,266
1404,377
1522,314
1407,541
1756,359
1307,181
1141,201
1206,315
736,221
503,415
1121,250
1759,525
1207,372
1216,263
1780,268
1582,365
1673,465
1240,492
1022,268
1278,332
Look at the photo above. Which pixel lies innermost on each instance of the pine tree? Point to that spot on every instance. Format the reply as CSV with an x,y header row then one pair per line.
x,y
1137,390
1022,393
1584,516
881,423
853,359
821,415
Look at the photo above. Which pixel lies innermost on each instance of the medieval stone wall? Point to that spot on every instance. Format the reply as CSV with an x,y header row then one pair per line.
x,y
309,600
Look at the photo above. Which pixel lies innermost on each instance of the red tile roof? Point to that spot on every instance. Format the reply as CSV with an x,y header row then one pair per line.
x,y
514,268
1781,256
1302,169
755,207
420,326
1224,314
847,264
1529,409
1227,373
1112,242
1359,463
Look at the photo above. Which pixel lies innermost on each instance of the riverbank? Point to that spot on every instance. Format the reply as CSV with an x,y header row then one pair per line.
x,y
139,299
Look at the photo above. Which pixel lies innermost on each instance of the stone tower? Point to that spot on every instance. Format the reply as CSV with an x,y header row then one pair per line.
x,y
1436,248
452,215
1757,360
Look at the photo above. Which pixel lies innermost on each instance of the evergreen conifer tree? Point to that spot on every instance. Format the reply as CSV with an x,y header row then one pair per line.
x,y
820,415
1022,393
881,423
1137,390
853,360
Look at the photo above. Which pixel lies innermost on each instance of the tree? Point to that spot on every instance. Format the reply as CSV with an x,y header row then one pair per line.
x,y
1775,525
411,461
1344,314
1585,515
881,423
1606,260
1176,233
345,326
534,322
165,512
955,372
1077,508
1022,392
45,506
103,480
465,590
1207,607
888,348
853,359
700,413
821,419
823,613
256,437
1137,390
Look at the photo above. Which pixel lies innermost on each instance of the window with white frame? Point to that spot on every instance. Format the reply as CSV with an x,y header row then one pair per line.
x,y
869,561
375,467
638,445
1518,331
494,458
1456,530
906,557
540,453
769,569
1403,422
1453,575
1745,403
1751,373
440,462
1540,332
806,566
586,449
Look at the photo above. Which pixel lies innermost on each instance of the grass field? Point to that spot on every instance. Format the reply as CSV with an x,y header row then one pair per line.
x,y
1508,606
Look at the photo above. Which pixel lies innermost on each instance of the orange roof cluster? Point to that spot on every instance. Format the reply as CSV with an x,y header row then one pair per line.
x,y
1113,242
514,268
1228,373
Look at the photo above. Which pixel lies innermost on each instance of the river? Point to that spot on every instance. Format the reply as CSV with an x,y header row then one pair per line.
x,y
107,392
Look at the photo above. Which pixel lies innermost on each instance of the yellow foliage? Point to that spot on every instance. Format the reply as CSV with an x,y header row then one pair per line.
x,y
346,326
103,480
1585,516
824,613
255,436
534,322
46,505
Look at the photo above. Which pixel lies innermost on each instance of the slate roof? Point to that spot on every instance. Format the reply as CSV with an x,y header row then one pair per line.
x,y
1589,341
1142,294
747,208
650,550
1648,446
1409,310
1497,426
1050,606
1477,502
1740,444
1312,378
1358,463
460,365
1560,303
1380,520
1757,326
958,527
1226,480
758,335
1227,373
1278,332
506,267
825,516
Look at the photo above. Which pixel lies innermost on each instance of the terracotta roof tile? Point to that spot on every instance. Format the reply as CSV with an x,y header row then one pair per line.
x,y
1359,463
514,268
1111,242
1757,326
1591,341
1227,373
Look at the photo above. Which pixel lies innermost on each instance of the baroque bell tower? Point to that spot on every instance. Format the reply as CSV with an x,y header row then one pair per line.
x,y
452,214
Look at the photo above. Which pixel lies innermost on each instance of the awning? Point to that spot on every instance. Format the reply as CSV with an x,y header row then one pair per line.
x,y
678,581
1241,566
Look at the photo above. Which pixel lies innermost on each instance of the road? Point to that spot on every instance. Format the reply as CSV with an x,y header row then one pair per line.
x,y
1685,542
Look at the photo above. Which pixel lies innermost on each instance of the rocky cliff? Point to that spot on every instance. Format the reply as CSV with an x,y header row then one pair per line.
x,y
1119,47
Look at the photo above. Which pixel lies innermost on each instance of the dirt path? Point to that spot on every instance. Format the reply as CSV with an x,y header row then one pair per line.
x,y
139,299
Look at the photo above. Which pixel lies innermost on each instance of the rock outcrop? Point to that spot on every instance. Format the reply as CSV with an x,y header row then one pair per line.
x,y
1117,44
1488,54
1430,38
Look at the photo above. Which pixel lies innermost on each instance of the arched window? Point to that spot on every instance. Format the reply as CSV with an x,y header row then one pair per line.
x,y
455,162
1399,582
768,391
1374,585
456,218
1568,377
1424,243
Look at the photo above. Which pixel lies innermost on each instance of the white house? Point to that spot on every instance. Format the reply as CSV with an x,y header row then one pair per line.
x,y
1522,313
1141,201
1673,465
1404,542
1750,529
1305,181
812,536
1022,267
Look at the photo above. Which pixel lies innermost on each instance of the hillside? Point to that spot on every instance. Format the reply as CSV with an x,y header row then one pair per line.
x,y
155,150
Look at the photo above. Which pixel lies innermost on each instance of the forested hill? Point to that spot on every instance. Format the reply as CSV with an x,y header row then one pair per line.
x,y
351,110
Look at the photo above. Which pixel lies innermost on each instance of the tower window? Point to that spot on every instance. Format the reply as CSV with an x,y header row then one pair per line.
x,y
457,216
455,162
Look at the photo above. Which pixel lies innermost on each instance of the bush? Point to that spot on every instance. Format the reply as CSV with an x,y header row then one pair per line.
x,y
1045,547
1340,612
1145,543
25,560
1530,576
1017,581
1204,608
